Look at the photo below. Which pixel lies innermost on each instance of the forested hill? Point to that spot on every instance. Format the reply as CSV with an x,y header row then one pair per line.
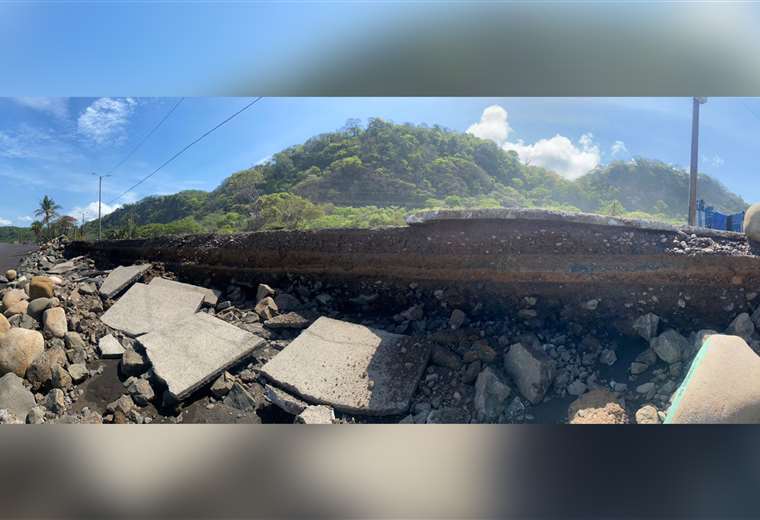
x,y
384,170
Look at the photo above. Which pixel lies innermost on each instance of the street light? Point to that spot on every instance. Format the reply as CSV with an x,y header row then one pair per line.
x,y
100,191
694,158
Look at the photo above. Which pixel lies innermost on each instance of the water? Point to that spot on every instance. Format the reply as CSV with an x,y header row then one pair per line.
x,y
10,255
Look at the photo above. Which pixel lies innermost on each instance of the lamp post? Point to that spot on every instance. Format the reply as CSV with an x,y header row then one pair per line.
x,y
100,191
694,159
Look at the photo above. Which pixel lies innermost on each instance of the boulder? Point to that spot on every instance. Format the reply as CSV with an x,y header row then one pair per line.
x,y
141,391
55,401
720,386
41,287
74,341
599,406
78,372
61,378
11,275
18,350
14,396
54,322
490,396
647,414
752,222
532,370
16,308
742,326
646,325
670,346
38,306
319,414
4,325
13,296
40,372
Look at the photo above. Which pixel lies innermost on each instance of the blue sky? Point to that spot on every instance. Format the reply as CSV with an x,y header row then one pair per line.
x,y
51,146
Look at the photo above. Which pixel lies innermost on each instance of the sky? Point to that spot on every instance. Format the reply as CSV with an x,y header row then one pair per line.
x,y
53,146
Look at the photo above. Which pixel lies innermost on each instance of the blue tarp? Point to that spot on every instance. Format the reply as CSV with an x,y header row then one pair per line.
x,y
709,218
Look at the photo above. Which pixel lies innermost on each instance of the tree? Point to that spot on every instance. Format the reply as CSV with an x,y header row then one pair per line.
x,y
65,224
48,210
37,229
283,211
613,208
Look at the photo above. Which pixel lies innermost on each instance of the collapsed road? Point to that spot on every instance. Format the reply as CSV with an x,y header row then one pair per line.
x,y
501,316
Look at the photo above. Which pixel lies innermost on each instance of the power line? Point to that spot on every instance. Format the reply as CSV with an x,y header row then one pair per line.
x,y
146,137
249,105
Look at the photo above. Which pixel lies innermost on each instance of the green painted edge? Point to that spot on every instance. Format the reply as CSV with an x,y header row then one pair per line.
x,y
689,375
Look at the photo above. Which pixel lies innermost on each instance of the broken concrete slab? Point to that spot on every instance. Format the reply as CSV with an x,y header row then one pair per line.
x,y
65,267
192,352
350,367
210,296
320,414
110,347
283,400
120,278
721,385
145,308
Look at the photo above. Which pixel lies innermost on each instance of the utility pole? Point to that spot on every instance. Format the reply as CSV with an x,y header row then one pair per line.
x,y
696,101
100,191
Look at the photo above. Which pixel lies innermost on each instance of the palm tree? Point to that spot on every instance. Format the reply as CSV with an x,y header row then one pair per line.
x,y
37,229
48,210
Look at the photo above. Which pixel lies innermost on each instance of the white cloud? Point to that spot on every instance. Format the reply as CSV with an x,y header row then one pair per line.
x,y
5,222
29,142
618,148
25,218
493,125
58,107
105,119
558,153
715,160
90,211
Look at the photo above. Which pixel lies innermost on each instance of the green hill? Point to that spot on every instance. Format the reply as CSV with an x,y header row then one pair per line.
x,y
375,175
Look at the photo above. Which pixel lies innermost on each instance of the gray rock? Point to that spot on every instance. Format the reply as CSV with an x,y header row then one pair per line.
x,y
7,417
74,341
700,337
88,288
60,378
319,414
38,306
14,396
18,349
24,321
222,385
646,325
471,372
78,372
670,346
648,357
191,353
742,326
638,368
284,401
146,308
36,415
110,347
608,357
54,322
350,367
490,396
290,320
55,401
532,370
577,387
449,415
457,319
121,278
210,296
287,302
646,388
141,392
40,372
240,399
123,404
444,357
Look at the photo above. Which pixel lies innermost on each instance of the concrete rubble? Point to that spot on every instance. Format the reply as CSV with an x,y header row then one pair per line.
x,y
78,348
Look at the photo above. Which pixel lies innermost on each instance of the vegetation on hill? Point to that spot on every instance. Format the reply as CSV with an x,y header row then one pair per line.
x,y
375,175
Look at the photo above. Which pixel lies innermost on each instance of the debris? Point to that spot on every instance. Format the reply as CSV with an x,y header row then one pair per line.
x,y
266,308
290,320
121,278
284,400
334,361
262,291
141,392
188,354
240,399
222,385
